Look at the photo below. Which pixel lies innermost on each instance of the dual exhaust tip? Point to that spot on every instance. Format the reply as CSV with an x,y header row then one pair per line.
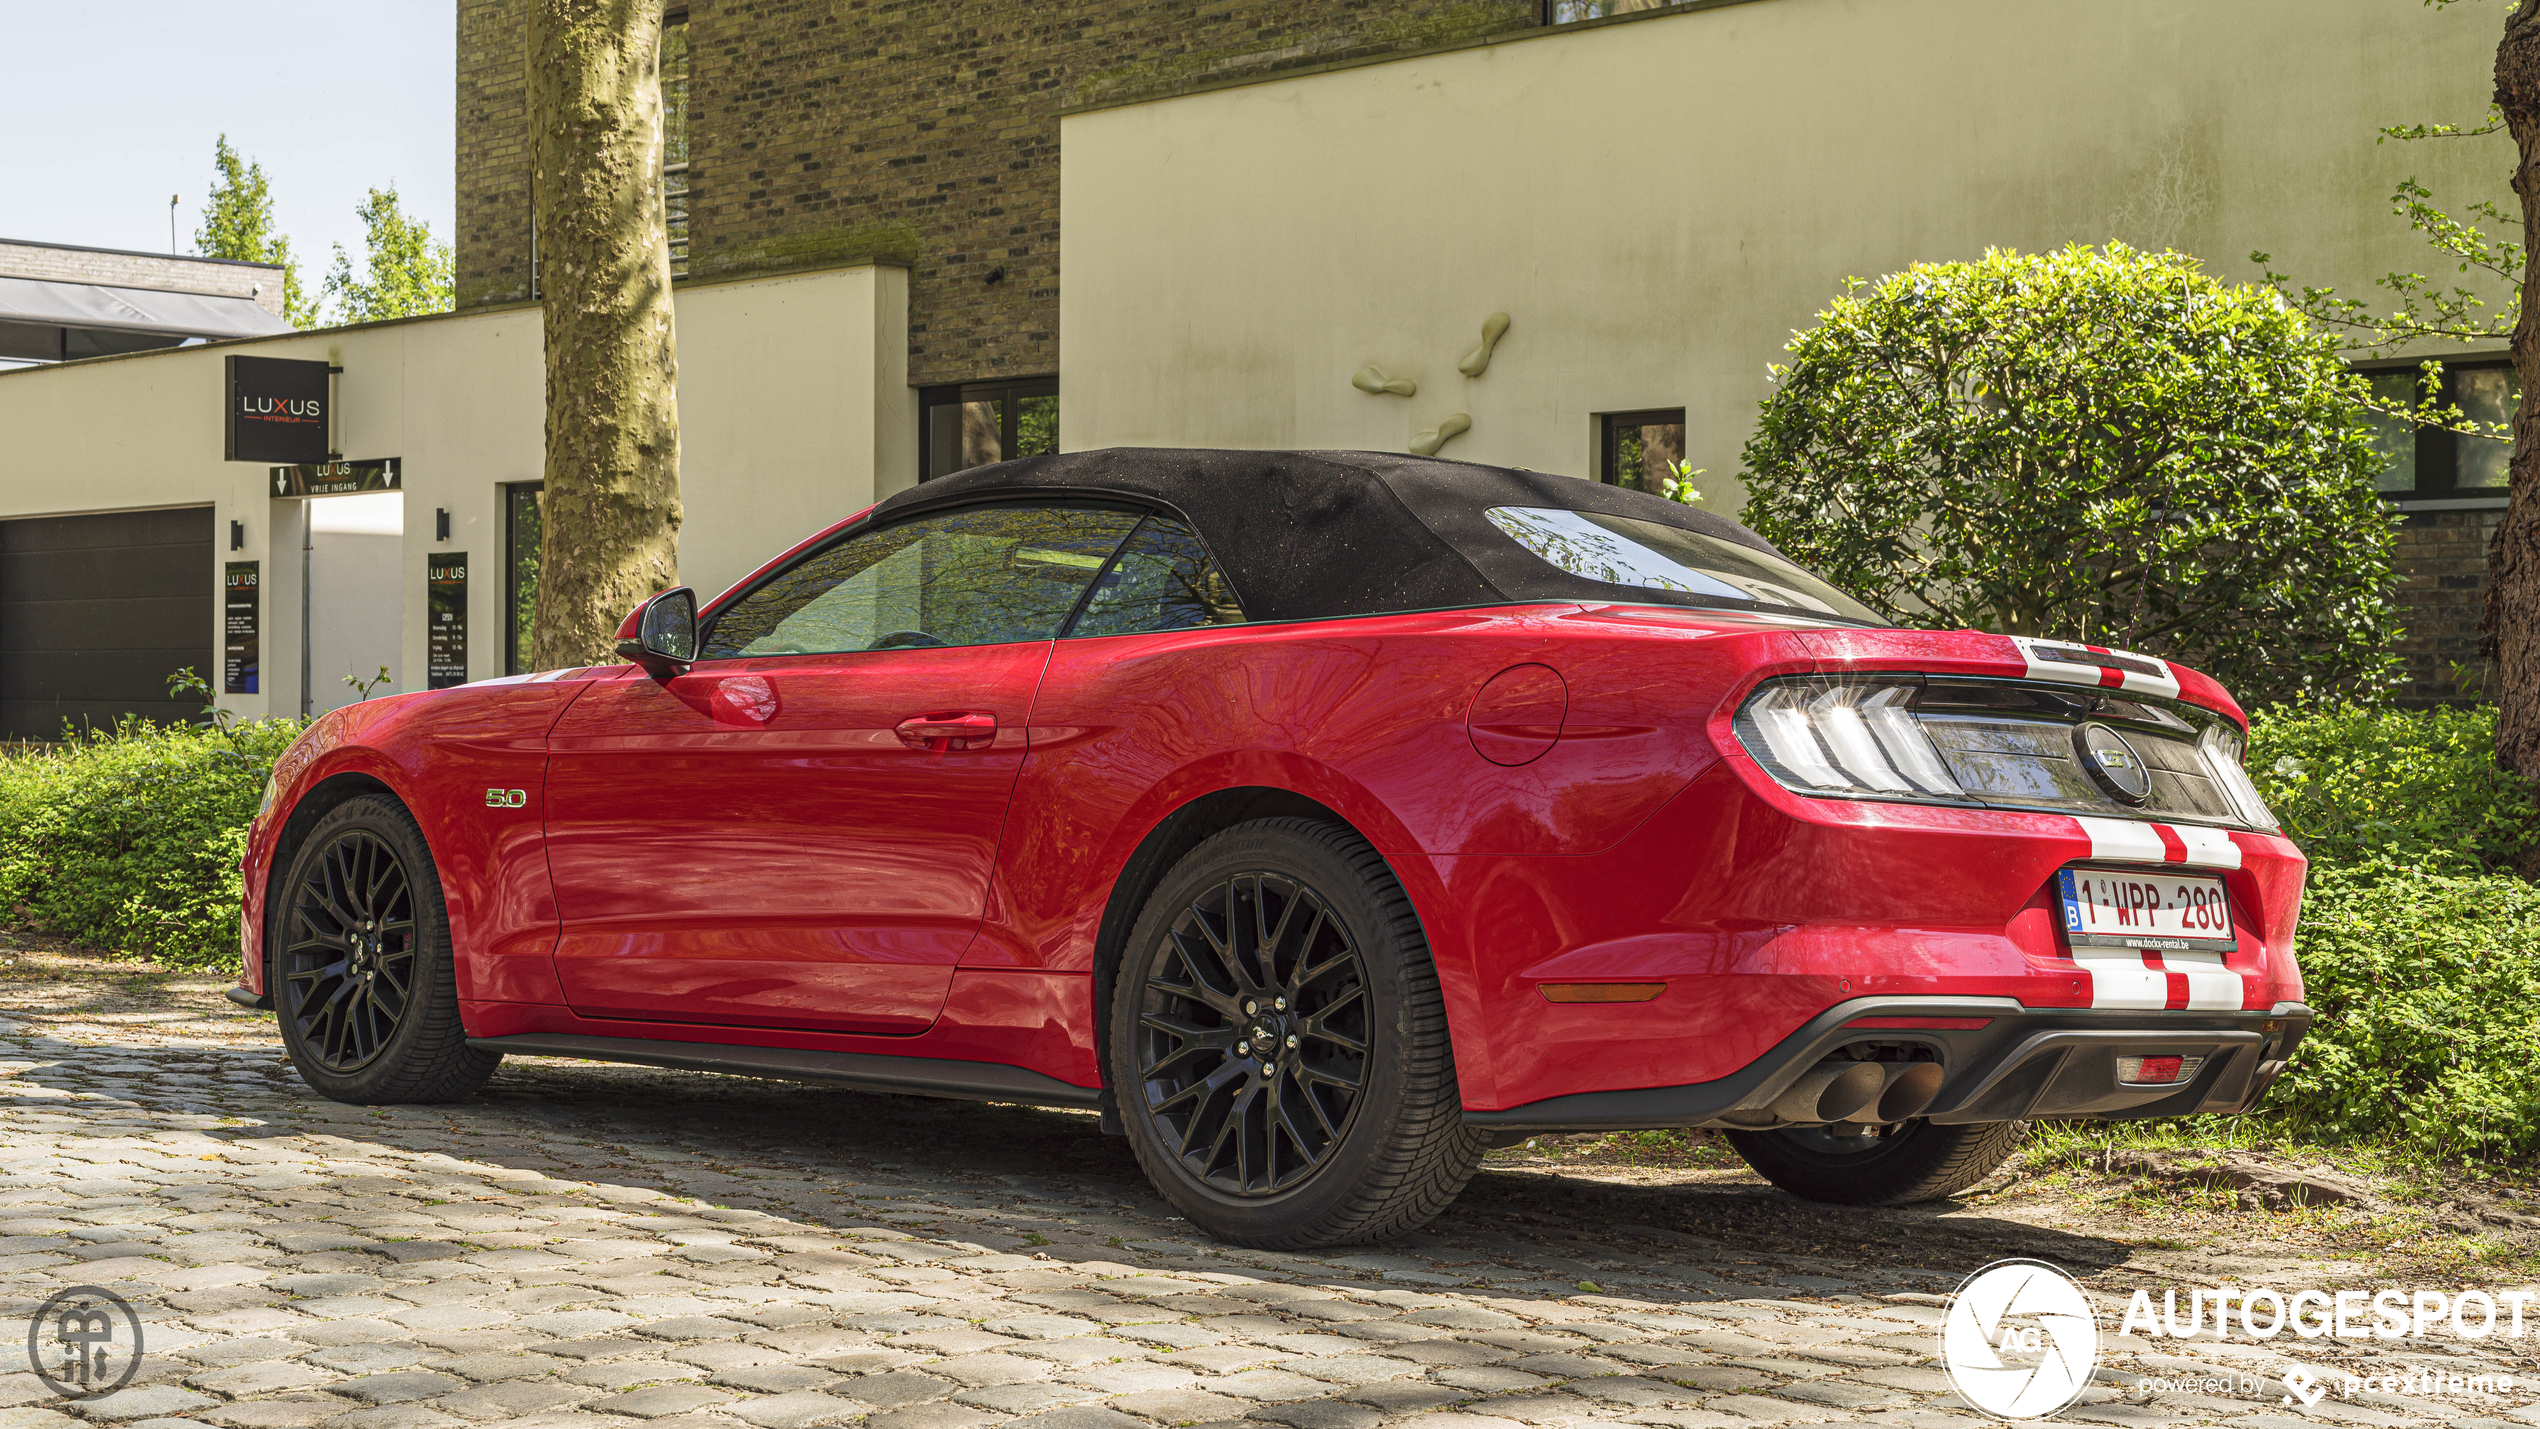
x,y
1861,1093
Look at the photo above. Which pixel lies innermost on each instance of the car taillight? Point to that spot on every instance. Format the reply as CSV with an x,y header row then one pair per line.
x,y
2004,744
2220,749
1824,737
2157,1071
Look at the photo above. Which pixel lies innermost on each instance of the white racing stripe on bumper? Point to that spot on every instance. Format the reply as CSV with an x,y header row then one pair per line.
x,y
2125,978
2206,847
2125,840
2211,987
2140,841
2119,978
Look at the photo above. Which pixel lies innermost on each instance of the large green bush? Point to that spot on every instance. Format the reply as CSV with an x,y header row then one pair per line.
x,y
2367,791
130,838
2089,444
2428,994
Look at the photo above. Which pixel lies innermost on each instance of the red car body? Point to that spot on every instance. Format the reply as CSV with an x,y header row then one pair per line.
x,y
748,855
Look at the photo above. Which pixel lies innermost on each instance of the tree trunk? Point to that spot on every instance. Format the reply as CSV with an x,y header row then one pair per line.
x,y
612,498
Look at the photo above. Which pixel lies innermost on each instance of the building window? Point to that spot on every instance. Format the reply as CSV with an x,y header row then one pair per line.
x,y
1570,12
524,528
2429,463
674,138
1641,450
980,422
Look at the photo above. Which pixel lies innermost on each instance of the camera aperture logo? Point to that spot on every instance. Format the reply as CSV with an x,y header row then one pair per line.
x,y
2019,1340
84,1343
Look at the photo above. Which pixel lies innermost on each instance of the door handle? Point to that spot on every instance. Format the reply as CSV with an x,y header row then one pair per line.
x,y
948,730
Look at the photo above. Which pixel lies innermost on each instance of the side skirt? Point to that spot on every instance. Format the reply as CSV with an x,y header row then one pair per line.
x,y
864,1071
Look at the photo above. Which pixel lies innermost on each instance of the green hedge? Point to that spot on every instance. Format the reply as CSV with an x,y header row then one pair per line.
x,y
2428,994
2373,790
2420,948
130,838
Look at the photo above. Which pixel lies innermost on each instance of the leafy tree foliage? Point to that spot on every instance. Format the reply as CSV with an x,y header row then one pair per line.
x,y
238,223
408,274
2094,444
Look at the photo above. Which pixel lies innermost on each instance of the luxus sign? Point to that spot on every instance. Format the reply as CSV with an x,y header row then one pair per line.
x,y
277,410
335,478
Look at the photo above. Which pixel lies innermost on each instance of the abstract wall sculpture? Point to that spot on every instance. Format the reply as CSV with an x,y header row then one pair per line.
x,y
1477,361
1428,442
1372,381
1375,383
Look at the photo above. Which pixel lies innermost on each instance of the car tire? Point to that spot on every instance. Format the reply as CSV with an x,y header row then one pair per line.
x,y
358,963
1333,1146
1916,1161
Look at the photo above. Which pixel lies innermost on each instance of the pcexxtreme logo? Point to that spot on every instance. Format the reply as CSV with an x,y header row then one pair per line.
x,y
2019,1340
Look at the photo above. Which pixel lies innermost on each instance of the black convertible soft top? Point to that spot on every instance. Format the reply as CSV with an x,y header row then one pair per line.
x,y
1309,535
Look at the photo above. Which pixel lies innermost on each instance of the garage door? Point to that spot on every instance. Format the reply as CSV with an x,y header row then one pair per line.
x,y
97,611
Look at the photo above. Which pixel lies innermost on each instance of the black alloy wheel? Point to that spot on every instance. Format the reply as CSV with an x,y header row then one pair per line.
x,y
1253,1034
1278,1043
358,960
348,956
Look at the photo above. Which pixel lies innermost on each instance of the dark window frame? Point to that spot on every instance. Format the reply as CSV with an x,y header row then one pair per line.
x,y
2438,448
1085,599
675,189
1609,439
1549,15
1009,396
513,663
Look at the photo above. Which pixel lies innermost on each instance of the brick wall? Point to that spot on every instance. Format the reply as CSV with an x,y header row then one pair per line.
x,y
166,273
2441,558
493,154
828,132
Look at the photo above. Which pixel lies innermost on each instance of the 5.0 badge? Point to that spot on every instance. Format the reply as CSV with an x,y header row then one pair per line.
x,y
506,798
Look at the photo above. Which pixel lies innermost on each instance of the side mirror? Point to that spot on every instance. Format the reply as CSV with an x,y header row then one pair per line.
x,y
661,634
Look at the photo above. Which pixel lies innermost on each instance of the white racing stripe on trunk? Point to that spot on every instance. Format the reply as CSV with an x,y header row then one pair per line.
x,y
2069,672
2118,978
2207,847
2126,840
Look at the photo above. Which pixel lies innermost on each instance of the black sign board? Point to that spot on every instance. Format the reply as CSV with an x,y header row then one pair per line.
x,y
242,605
445,607
334,478
277,410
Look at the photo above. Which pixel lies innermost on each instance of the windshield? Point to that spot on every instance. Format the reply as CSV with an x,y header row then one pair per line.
x,y
1621,550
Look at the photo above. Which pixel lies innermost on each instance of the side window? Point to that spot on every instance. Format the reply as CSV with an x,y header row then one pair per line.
x,y
978,576
1163,580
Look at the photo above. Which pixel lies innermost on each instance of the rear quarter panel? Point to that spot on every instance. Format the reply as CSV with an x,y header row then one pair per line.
x,y
1366,717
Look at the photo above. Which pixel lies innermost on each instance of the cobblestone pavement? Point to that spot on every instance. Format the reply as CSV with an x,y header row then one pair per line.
x,y
601,1246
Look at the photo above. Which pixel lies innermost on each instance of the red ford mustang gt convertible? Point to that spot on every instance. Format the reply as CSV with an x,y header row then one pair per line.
x,y
1320,819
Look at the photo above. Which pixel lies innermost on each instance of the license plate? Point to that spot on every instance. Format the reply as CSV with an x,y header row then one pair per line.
x,y
2140,908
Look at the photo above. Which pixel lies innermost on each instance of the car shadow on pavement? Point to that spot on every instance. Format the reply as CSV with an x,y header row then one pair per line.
x,y
595,1245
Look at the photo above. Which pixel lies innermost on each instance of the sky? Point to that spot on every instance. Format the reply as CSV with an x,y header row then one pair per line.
x,y
116,104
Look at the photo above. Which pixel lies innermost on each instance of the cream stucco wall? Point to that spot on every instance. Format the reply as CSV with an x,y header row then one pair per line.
x,y
1658,202
794,403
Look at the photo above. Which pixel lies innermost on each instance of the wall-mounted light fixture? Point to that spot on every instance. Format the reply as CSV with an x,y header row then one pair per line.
x,y
238,535
440,523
